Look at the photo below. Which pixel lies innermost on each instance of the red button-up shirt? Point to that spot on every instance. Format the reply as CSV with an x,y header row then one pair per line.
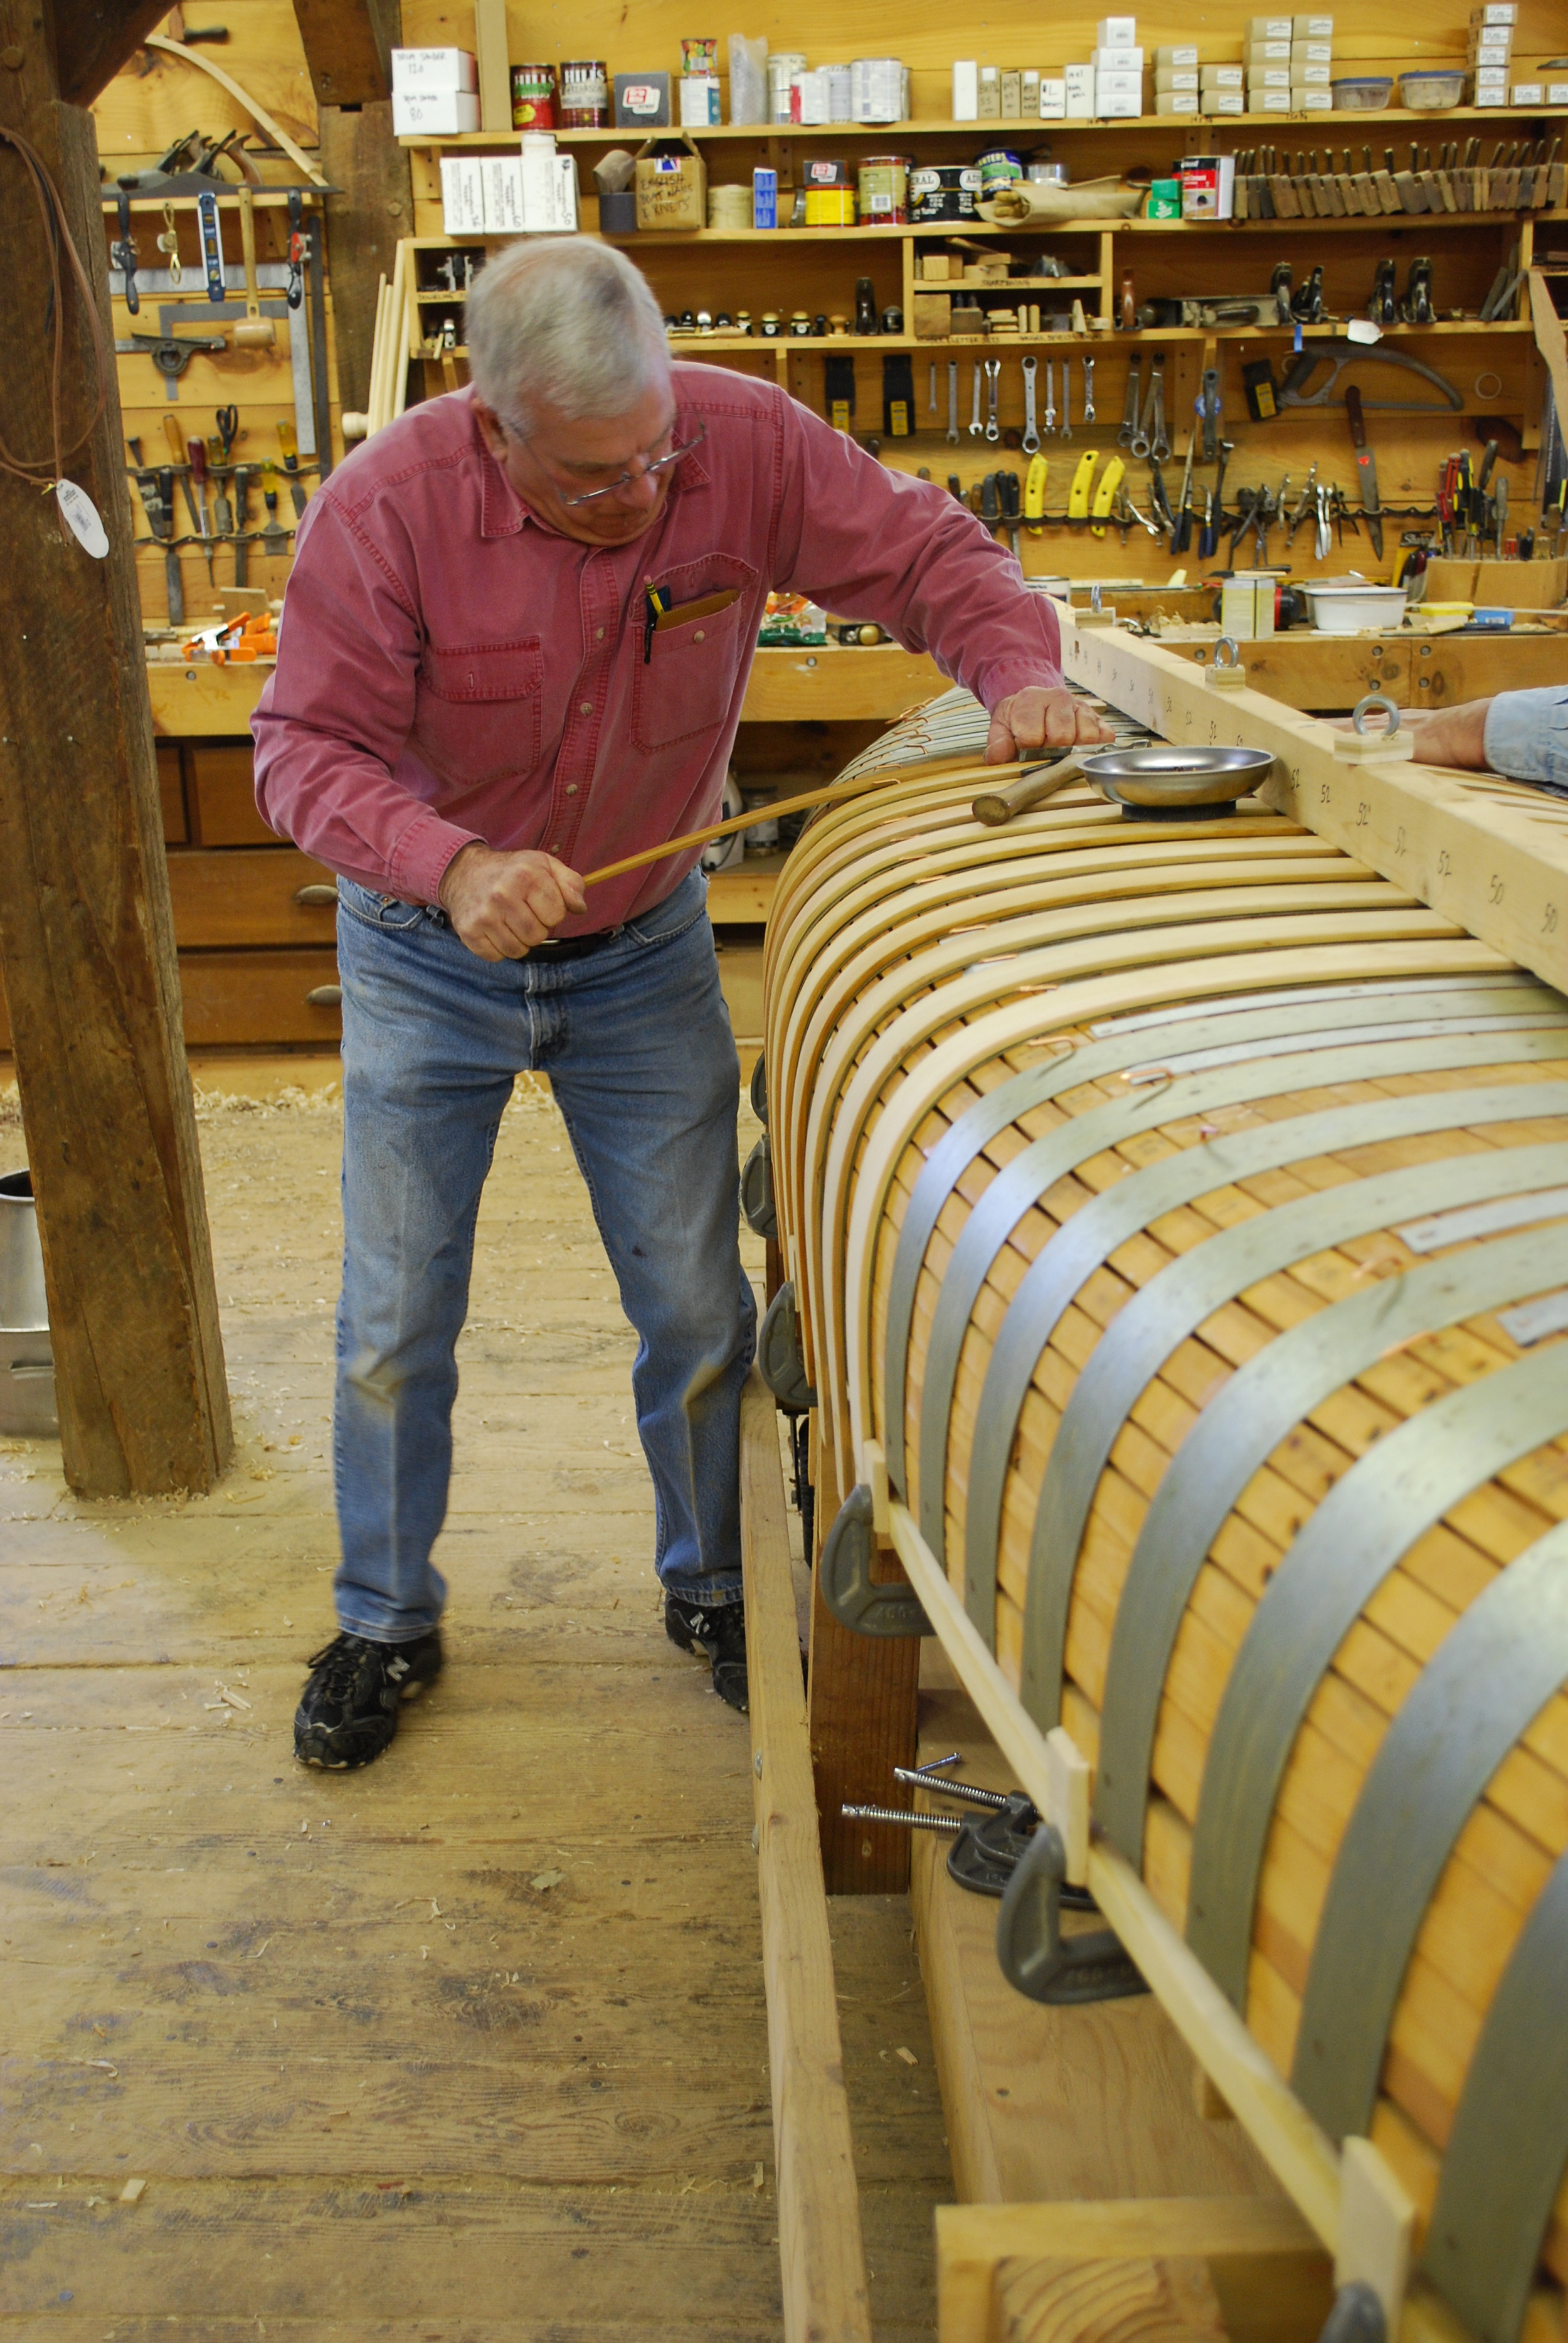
x,y
451,668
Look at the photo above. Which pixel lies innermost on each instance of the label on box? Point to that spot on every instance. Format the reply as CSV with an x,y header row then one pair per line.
x,y
1312,28
502,179
1052,98
1268,53
1311,101
434,114
1270,28
1310,76
1224,101
1167,78
1175,101
1311,52
415,70
462,195
1557,93
1269,101
1268,77
1221,76
1079,106
1529,93
1077,78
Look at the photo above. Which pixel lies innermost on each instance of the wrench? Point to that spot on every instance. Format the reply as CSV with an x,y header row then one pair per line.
x,y
976,426
1159,447
1066,430
1088,390
1031,441
952,402
1051,398
993,384
1142,439
1127,432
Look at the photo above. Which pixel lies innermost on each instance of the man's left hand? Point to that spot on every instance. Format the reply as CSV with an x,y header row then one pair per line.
x,y
1036,718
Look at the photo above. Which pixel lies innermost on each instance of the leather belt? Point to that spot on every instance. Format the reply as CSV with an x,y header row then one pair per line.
x,y
558,947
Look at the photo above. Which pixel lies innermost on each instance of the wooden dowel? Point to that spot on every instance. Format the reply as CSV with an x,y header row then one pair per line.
x,y
993,807
930,769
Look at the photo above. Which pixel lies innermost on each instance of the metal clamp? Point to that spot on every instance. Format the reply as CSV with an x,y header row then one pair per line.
x,y
1357,2317
779,1357
1036,1958
759,1088
844,1574
757,1200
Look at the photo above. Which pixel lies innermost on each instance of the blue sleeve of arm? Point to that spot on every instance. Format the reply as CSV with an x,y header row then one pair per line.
x,y
1526,735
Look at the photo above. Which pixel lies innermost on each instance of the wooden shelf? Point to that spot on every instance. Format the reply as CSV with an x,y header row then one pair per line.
x,y
793,238
995,130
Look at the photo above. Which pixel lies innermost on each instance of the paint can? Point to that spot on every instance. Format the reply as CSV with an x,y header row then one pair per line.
x,y
876,89
534,97
884,190
943,191
585,93
783,66
999,168
829,194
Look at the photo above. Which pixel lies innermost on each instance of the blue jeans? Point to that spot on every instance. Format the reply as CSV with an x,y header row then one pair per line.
x,y
636,1039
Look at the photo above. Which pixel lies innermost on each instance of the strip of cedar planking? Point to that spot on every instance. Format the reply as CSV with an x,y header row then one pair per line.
x,y
822,2257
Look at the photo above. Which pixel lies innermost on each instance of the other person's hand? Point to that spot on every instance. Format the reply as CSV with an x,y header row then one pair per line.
x,y
501,905
1038,718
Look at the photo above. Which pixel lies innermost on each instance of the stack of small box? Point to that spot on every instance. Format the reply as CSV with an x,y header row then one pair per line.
x,y
1176,78
434,93
1118,69
1221,89
1491,42
1290,64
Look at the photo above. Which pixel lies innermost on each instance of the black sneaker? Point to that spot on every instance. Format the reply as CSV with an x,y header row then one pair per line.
x,y
720,1632
347,1712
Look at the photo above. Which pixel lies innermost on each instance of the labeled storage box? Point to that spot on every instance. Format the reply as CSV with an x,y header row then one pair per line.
x,y
462,195
434,114
671,185
426,72
642,101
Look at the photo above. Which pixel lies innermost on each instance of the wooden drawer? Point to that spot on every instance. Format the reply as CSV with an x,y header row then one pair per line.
x,y
223,796
249,895
234,997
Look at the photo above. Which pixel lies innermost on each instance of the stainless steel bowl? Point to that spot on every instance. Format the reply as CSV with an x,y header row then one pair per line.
x,y
1165,778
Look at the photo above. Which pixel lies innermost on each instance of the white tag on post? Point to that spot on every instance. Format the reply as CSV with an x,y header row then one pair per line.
x,y
82,519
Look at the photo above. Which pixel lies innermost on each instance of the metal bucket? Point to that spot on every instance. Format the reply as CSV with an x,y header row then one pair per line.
x,y
26,1358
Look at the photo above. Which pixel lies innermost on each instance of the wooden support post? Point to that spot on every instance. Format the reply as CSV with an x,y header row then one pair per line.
x,y
821,2253
86,939
365,221
864,1699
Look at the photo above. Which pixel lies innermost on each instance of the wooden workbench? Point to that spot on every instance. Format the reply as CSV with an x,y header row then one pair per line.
x,y
1327,674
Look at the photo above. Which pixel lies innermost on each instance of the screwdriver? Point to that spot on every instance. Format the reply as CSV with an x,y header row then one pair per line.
x,y
196,450
1208,536
1181,532
290,447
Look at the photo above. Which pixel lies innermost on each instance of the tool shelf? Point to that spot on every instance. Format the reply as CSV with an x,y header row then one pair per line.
x,y
263,199
998,129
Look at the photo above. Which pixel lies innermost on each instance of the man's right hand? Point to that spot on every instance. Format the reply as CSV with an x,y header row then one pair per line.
x,y
501,905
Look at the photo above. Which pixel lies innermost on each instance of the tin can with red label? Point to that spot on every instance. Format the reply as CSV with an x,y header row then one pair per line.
x,y
534,97
585,93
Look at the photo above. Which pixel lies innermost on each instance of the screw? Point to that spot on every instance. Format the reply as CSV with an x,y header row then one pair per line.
x,y
951,1789
909,1822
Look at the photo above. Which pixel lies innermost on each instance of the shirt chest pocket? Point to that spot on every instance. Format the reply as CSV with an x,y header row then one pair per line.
x,y
478,713
683,688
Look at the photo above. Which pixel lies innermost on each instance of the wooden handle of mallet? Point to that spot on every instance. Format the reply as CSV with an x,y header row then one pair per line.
x,y
1032,787
930,769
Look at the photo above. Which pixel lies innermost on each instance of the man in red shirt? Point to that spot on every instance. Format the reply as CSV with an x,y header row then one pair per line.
x,y
514,646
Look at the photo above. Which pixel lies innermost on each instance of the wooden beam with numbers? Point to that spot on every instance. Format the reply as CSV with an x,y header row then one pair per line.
x,y
86,939
1492,854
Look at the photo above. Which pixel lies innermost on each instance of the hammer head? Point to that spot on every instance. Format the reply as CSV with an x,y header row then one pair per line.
x,y
254,334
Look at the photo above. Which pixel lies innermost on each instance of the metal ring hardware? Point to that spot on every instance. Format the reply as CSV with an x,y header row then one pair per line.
x,y
1227,651
1375,699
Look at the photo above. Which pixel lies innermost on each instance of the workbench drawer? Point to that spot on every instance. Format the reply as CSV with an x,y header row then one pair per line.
x,y
223,796
251,895
237,997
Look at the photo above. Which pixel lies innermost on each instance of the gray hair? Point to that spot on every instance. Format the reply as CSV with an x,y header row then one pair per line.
x,y
565,321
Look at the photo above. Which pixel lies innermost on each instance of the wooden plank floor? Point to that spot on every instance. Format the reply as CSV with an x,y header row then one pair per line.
x,y
470,2045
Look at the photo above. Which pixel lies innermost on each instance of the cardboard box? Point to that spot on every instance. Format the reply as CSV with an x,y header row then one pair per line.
x,y
434,114
1029,96
1495,12
966,89
1528,93
502,179
642,101
1119,61
1557,93
1177,52
990,93
1311,28
1268,77
1079,106
1011,95
1310,76
1311,101
1221,76
1494,85
1080,81
1269,101
426,72
1052,98
1116,32
1177,101
1311,52
1222,101
1118,109
1167,79
462,195
1118,85
1270,28
671,187
549,186
1266,52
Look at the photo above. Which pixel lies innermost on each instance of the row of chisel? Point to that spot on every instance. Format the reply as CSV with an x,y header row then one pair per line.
x,y
1522,176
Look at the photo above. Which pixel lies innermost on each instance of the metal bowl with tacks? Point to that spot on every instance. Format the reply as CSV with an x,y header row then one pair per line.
x,y
1163,779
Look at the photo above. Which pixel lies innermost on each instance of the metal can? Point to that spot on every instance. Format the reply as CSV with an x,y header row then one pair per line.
x,y
534,97
783,66
943,191
584,93
884,186
830,208
877,89
699,57
998,167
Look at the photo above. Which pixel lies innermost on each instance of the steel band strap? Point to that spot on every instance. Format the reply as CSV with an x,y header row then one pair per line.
x,y
1251,1074
1208,1488
1213,1039
1365,1526
1505,2156
1490,1678
1174,1304
1500,980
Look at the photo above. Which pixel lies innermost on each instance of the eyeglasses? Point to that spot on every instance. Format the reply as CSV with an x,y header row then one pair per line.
x,y
628,479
